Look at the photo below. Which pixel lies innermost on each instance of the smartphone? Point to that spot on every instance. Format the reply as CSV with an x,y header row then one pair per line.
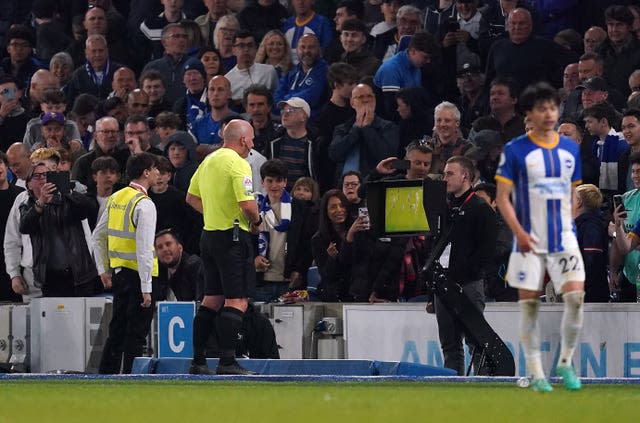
x,y
453,26
61,180
363,213
9,93
617,202
399,164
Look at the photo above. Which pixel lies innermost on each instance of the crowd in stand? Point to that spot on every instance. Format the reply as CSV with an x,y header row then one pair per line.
x,y
334,92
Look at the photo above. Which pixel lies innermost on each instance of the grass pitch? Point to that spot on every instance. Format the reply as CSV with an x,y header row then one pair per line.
x,y
256,402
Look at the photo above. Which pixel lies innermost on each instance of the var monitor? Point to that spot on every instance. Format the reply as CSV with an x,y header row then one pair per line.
x,y
397,207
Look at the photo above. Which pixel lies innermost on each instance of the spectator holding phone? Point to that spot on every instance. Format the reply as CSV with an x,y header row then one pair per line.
x,y
13,118
55,218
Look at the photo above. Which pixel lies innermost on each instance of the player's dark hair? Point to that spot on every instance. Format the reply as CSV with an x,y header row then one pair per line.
x,y
138,163
537,93
274,168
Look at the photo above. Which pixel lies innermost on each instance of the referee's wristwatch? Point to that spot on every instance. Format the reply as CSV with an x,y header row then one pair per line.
x,y
258,223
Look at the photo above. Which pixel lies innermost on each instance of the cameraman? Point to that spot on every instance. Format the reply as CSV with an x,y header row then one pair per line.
x,y
472,240
56,222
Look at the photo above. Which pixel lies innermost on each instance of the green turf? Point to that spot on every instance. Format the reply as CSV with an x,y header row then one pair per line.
x,y
247,402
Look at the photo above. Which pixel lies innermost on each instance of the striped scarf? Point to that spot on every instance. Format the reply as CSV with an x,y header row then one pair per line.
x,y
271,221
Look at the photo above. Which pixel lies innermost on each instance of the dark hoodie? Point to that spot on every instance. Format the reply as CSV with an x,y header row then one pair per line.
x,y
183,174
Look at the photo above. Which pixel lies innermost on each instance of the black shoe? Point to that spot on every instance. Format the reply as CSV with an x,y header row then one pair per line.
x,y
233,369
199,369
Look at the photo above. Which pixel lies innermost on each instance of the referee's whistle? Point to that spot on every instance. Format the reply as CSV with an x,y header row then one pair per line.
x,y
236,230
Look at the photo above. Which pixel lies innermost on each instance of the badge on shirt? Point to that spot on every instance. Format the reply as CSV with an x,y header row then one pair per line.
x,y
247,183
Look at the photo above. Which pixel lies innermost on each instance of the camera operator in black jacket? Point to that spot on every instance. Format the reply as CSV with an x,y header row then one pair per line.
x,y
472,240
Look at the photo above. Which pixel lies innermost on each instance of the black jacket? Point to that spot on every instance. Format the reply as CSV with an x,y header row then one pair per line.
x,y
67,216
593,240
335,272
187,282
473,238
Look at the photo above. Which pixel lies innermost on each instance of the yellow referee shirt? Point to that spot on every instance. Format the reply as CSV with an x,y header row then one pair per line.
x,y
222,180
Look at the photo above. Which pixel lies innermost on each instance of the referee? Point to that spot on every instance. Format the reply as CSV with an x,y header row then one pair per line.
x,y
222,190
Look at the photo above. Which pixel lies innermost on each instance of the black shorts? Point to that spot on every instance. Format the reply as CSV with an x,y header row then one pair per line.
x,y
228,265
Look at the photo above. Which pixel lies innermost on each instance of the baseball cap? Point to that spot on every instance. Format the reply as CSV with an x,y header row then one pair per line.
x,y
296,102
195,64
52,117
597,83
469,64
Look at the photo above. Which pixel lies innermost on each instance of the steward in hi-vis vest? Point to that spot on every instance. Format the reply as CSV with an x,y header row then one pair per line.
x,y
125,257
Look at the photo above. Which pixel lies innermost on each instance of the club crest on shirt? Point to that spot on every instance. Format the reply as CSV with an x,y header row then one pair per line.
x,y
568,163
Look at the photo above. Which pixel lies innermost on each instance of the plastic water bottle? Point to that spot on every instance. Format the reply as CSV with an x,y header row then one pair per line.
x,y
523,382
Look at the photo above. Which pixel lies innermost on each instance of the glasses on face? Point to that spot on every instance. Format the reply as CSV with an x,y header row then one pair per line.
x,y
288,110
177,36
39,175
246,46
227,30
351,184
109,131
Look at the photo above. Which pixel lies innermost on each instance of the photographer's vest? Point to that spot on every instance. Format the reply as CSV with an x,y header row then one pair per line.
x,y
121,231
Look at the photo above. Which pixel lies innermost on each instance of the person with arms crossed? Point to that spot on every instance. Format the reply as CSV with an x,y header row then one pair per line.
x,y
541,170
230,211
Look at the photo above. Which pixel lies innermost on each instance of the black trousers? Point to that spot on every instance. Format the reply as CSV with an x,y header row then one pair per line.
x,y
129,325
60,283
451,330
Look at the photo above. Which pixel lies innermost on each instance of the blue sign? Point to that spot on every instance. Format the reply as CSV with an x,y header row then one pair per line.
x,y
175,329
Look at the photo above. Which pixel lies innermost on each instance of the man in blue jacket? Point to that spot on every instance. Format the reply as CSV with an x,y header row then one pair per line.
x,y
308,80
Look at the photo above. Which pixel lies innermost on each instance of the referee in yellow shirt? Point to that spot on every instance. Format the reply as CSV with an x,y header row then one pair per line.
x,y
222,190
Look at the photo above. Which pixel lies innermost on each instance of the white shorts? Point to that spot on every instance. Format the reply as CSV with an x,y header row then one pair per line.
x,y
526,271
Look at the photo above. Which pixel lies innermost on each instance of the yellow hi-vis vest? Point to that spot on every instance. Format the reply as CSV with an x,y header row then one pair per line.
x,y
121,231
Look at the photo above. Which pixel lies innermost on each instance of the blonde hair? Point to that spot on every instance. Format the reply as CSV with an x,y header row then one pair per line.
x,y
286,63
44,154
226,20
590,196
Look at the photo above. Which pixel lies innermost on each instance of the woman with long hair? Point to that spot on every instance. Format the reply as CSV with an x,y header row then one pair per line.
x,y
212,62
416,117
333,246
275,50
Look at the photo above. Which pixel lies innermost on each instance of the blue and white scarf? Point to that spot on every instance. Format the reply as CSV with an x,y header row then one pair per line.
x,y
93,75
196,108
270,220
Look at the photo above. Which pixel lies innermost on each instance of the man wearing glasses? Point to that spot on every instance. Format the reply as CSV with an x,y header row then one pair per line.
x,y
137,136
107,136
171,65
246,72
296,148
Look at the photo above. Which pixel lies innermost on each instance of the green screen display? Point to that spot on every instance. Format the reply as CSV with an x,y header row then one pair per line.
x,y
404,210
